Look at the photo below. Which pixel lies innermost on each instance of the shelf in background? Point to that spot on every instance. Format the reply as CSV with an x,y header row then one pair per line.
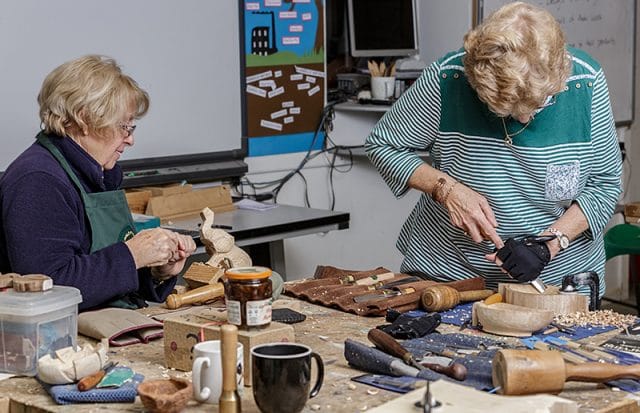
x,y
358,107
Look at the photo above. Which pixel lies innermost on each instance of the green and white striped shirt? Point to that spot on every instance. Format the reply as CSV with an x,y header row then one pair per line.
x,y
568,153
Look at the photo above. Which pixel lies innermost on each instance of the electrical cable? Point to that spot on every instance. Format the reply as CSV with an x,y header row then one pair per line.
x,y
325,124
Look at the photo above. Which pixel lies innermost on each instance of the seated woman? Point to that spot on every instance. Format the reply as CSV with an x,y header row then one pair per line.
x,y
62,212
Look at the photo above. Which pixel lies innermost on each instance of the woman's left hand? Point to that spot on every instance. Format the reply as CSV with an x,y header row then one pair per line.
x,y
186,247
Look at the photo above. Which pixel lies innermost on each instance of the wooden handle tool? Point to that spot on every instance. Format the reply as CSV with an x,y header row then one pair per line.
x,y
371,280
443,297
92,380
493,299
196,296
518,372
390,346
229,399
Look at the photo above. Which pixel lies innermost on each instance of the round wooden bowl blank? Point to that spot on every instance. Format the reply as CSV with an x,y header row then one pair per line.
x,y
511,320
165,396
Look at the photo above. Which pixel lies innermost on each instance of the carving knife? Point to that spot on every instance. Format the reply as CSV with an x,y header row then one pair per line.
x,y
90,381
382,294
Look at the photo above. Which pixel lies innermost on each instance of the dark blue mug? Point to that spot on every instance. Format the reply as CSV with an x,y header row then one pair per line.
x,y
281,376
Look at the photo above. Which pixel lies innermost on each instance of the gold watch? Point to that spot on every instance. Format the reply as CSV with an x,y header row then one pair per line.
x,y
562,238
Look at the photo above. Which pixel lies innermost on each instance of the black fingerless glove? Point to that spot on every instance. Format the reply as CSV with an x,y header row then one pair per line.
x,y
525,257
406,326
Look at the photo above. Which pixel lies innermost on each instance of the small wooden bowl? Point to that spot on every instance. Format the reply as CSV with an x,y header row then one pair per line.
x,y
165,396
510,320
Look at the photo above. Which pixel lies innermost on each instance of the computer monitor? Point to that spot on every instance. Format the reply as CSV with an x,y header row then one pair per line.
x,y
382,28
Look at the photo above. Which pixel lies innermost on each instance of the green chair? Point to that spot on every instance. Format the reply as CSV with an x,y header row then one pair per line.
x,y
624,239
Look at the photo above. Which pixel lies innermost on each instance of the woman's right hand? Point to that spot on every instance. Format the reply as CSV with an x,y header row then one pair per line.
x,y
470,211
154,247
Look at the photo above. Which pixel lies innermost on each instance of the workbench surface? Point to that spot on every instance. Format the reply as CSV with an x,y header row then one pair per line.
x,y
324,331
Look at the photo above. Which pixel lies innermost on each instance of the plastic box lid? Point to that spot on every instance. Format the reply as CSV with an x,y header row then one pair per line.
x,y
29,304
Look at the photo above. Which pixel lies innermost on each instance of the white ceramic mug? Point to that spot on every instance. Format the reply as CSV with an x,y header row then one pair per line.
x,y
382,87
207,371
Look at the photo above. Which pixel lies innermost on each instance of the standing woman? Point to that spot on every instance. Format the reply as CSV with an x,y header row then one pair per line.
x,y
62,212
525,156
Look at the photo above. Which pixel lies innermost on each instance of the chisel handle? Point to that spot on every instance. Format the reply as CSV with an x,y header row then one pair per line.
x,y
475,295
456,371
601,372
196,296
389,345
91,381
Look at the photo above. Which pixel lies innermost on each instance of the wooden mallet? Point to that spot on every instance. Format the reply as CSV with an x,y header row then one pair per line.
x,y
443,297
518,372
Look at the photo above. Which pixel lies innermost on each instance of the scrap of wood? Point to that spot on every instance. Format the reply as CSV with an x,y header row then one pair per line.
x,y
200,274
462,399
4,404
6,280
138,200
190,204
168,189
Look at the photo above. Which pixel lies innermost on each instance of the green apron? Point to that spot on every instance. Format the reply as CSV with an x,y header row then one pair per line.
x,y
108,213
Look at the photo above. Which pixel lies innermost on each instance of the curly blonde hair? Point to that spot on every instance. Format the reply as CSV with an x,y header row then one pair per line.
x,y
89,94
516,58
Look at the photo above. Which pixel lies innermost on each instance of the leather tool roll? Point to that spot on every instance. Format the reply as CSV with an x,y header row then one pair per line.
x,y
327,290
330,276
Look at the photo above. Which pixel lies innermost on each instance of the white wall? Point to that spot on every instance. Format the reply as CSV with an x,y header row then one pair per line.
x,y
376,216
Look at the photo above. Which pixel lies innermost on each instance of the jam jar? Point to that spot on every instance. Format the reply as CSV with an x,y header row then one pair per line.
x,y
248,294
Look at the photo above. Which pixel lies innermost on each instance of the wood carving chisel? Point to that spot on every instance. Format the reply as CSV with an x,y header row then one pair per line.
x,y
390,346
382,294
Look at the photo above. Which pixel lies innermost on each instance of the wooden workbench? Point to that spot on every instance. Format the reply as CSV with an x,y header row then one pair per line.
x,y
324,331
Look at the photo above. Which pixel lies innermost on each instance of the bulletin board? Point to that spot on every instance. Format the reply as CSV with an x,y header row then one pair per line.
x,y
284,79
606,30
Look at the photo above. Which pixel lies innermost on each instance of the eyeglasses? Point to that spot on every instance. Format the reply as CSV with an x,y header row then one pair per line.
x,y
127,128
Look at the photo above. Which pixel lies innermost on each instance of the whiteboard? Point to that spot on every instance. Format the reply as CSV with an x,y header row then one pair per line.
x,y
606,30
184,53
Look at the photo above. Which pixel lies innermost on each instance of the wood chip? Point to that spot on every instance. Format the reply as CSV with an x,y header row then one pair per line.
x,y
596,318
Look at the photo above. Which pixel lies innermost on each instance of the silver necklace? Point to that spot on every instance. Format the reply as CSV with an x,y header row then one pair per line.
x,y
508,137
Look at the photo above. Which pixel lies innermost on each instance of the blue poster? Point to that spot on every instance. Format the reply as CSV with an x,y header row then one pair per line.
x,y
285,77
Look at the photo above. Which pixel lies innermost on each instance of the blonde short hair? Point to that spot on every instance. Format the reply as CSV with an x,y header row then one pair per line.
x,y
89,94
516,58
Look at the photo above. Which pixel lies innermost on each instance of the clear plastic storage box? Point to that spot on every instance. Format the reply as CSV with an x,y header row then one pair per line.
x,y
33,324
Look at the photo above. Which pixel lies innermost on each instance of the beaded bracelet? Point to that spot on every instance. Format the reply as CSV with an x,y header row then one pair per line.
x,y
437,189
446,195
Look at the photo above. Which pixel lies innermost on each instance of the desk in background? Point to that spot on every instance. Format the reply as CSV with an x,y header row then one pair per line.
x,y
262,233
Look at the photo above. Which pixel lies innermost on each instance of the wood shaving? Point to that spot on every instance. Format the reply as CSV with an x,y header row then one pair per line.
x,y
596,318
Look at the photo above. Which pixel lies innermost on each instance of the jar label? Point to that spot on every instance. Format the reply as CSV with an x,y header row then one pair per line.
x,y
258,312
233,312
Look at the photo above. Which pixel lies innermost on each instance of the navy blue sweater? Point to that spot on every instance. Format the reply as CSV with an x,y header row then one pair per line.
x,y
43,227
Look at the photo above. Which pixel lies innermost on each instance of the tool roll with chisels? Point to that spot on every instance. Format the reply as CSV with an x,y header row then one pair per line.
x,y
370,292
